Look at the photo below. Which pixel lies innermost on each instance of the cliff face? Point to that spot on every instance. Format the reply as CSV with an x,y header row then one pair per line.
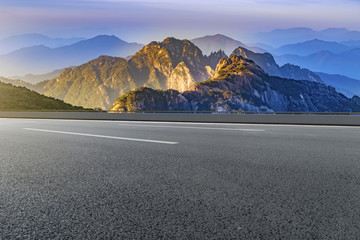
x,y
171,64
241,85
161,65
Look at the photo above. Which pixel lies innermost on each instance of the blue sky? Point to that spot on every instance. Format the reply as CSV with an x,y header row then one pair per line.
x,y
147,20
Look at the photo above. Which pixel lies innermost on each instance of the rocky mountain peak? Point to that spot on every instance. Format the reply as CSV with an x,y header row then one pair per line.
x,y
265,60
214,58
236,65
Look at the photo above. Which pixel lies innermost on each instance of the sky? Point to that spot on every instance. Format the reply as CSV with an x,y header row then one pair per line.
x,y
146,20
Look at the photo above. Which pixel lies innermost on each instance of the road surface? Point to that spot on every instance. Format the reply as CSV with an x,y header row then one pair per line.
x,y
69,179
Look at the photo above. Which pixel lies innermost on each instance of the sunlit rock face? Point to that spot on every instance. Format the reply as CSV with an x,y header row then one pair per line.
x,y
180,78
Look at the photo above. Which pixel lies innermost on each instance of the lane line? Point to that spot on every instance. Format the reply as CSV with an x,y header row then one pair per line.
x,y
101,136
200,128
200,123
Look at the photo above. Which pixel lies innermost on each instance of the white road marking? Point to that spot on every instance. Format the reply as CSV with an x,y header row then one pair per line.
x,y
200,128
201,123
101,136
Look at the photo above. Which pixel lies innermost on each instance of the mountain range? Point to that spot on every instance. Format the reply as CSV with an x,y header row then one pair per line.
x,y
16,42
310,47
240,85
41,59
352,43
279,37
170,64
319,55
345,85
346,63
180,65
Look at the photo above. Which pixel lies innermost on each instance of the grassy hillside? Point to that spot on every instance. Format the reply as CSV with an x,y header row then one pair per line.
x,y
19,98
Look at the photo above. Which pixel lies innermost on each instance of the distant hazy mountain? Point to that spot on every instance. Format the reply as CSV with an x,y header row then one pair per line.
x,y
38,87
267,62
34,79
41,59
19,98
18,83
170,64
345,63
347,86
28,40
264,46
209,44
281,37
342,84
240,85
352,44
310,47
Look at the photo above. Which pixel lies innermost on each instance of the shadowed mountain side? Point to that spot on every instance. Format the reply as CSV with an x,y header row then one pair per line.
x,y
22,99
214,58
267,62
241,85
347,86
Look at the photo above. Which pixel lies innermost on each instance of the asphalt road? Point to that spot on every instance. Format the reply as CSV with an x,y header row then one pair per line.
x,y
146,180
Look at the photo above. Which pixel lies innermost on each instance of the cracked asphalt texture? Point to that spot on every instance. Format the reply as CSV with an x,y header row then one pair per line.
x,y
286,182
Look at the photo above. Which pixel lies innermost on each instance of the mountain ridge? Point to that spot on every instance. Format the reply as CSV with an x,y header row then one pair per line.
x,y
310,47
41,59
279,37
267,62
345,63
16,42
